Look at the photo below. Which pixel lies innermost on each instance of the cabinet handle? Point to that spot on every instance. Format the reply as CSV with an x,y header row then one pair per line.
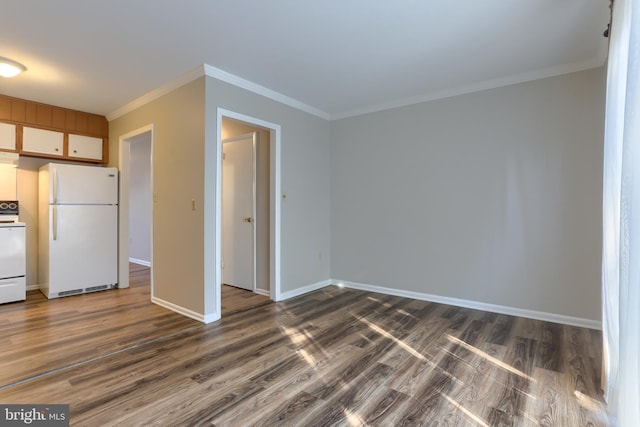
x,y
56,149
75,151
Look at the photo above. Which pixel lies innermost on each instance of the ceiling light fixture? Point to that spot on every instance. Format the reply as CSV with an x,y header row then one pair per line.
x,y
9,68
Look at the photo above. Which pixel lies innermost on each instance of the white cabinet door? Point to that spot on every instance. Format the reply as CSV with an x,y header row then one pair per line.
x,y
85,147
7,136
42,141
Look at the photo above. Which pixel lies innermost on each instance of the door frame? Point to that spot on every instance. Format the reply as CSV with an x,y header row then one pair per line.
x,y
254,136
124,151
275,153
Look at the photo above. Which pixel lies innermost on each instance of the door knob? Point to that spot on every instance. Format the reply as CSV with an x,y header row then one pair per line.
x,y
247,219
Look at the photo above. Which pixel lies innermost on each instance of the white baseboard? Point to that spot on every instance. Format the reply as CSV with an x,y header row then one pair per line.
x,y
140,262
262,292
305,289
530,314
204,318
494,308
35,287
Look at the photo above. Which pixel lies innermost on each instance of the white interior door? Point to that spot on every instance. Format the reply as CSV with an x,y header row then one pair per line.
x,y
238,212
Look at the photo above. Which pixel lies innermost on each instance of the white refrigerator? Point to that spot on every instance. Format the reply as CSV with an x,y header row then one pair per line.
x,y
78,229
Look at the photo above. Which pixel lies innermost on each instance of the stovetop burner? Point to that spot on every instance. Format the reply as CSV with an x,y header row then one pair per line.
x,y
9,207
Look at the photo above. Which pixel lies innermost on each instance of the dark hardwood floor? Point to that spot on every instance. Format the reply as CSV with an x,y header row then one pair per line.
x,y
331,357
41,335
236,299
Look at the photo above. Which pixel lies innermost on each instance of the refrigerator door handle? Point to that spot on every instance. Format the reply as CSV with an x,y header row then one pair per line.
x,y
54,221
54,182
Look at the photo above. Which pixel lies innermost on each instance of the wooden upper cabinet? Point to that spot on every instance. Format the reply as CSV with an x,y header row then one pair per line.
x,y
42,130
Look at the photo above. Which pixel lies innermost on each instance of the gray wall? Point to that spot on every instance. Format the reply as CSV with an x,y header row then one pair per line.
x,y
140,199
493,196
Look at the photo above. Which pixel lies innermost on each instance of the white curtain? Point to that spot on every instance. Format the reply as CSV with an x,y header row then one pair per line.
x,y
621,215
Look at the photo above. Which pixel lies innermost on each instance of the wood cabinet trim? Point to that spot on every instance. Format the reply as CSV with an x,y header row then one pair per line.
x,y
36,114
19,138
65,145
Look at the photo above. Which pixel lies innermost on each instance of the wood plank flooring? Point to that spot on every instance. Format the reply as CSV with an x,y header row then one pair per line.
x,y
236,299
42,335
331,357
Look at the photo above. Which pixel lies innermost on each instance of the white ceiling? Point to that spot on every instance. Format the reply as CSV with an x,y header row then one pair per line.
x,y
340,56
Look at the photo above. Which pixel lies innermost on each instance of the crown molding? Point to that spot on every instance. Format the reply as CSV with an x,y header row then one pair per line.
x,y
216,73
157,93
226,77
476,87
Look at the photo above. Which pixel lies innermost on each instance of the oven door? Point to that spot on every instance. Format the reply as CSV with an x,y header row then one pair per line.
x,y
12,251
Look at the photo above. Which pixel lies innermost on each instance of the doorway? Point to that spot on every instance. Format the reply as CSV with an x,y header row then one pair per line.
x,y
239,213
136,205
140,200
267,202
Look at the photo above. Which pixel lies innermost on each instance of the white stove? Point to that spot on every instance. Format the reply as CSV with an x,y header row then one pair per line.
x,y
13,265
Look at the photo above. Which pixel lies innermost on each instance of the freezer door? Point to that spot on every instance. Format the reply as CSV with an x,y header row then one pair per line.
x,y
73,184
82,246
